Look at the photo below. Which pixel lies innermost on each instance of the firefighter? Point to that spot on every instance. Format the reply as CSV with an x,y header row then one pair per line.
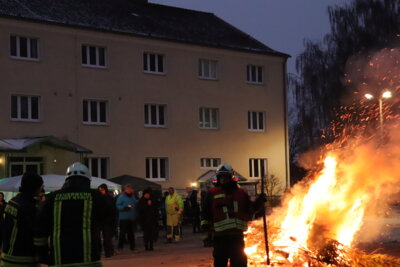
x,y
18,246
174,209
70,219
227,209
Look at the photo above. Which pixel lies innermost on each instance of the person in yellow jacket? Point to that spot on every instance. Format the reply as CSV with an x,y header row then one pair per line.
x,y
174,210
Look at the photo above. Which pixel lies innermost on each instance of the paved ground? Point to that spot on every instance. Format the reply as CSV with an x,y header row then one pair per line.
x,y
189,252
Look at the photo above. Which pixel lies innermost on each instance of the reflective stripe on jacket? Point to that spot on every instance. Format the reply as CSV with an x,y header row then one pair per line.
x,y
230,211
18,247
174,204
70,218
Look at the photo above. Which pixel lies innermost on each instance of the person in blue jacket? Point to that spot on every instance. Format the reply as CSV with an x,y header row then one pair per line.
x,y
127,215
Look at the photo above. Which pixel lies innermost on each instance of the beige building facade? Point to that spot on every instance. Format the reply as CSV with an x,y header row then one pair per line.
x,y
163,110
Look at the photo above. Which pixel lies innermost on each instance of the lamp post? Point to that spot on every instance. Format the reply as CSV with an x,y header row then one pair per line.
x,y
385,95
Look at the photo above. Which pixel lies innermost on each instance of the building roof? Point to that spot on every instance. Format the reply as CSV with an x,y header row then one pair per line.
x,y
139,19
138,184
21,144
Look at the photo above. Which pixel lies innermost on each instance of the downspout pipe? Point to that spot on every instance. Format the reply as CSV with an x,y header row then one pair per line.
x,y
286,125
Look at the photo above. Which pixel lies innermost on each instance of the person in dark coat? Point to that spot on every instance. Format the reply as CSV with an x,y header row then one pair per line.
x,y
163,210
148,218
108,227
3,204
18,243
195,211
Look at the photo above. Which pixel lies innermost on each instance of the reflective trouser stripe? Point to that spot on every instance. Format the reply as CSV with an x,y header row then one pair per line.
x,y
219,196
57,232
230,224
86,230
19,259
40,241
174,231
13,237
10,264
81,264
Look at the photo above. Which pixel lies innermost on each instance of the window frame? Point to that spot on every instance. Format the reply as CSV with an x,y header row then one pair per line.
x,y
203,162
149,168
150,125
202,115
19,111
96,65
249,74
201,70
98,101
147,54
252,165
99,158
250,121
18,45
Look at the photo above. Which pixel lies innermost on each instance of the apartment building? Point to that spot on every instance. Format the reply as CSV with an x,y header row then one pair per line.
x,y
130,87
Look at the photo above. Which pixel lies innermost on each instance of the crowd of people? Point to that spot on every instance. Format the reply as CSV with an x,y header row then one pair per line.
x,y
71,226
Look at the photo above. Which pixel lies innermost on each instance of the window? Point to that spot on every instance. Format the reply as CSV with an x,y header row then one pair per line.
x,y
207,69
255,121
257,167
153,63
154,115
254,74
99,167
24,108
157,168
20,165
95,112
24,47
210,162
93,56
208,118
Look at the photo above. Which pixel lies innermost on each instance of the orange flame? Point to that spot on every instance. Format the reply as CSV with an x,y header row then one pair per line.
x,y
330,206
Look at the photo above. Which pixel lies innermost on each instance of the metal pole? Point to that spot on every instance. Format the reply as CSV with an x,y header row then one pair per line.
x,y
381,117
265,220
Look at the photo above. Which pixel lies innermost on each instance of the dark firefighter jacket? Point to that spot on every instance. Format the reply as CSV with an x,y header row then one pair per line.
x,y
71,218
18,248
227,211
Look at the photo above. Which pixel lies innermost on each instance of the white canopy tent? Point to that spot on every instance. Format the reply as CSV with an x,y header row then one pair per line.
x,y
52,182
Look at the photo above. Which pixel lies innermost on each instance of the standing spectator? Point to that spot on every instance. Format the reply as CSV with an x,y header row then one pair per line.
x,y
195,211
69,221
174,209
163,210
18,242
3,204
108,227
148,217
127,214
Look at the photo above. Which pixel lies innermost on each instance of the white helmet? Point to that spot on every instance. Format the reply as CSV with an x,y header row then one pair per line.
x,y
78,169
224,168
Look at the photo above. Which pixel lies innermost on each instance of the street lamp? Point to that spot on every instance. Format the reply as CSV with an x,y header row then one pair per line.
x,y
385,95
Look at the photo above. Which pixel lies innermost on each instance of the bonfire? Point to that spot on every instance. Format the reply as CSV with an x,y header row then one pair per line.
x,y
322,218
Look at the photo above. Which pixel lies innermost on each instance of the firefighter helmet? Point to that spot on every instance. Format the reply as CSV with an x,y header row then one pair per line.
x,y
224,168
78,169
